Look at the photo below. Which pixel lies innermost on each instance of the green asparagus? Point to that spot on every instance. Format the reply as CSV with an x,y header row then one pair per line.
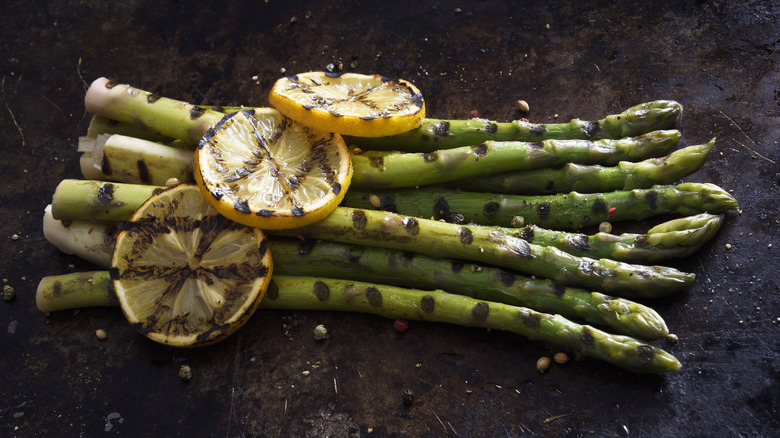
x,y
187,122
145,110
476,243
375,169
437,134
627,175
91,241
99,125
651,247
76,290
491,246
94,242
104,201
310,293
98,200
571,211
127,159
132,160
408,269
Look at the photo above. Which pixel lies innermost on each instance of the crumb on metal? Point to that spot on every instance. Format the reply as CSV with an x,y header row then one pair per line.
x,y
8,292
320,333
185,373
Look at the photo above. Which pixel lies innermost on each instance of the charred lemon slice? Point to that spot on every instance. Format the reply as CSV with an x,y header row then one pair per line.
x,y
262,169
350,104
184,274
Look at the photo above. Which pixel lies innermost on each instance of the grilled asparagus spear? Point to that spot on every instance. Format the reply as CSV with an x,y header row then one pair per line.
x,y
436,134
128,159
568,211
491,246
481,244
145,110
571,177
681,237
105,201
187,122
309,293
95,242
376,169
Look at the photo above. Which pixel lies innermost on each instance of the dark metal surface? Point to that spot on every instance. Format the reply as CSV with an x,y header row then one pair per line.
x,y
567,59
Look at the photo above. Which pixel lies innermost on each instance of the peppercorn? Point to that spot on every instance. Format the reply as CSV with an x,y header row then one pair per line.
x,y
401,325
408,397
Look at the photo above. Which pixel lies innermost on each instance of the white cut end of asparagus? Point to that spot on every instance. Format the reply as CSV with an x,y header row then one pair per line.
x,y
95,98
92,156
89,241
56,233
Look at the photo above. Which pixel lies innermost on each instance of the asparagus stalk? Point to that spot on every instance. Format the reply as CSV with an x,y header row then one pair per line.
x,y
571,177
570,211
487,245
86,200
98,200
406,269
90,241
133,160
145,110
299,293
681,238
101,125
184,121
490,245
310,293
436,134
95,200
76,290
128,159
376,169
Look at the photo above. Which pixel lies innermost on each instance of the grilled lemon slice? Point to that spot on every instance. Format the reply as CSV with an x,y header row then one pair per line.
x,y
186,275
262,169
350,104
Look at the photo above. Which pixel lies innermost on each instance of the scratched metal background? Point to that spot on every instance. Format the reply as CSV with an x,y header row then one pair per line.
x,y
567,59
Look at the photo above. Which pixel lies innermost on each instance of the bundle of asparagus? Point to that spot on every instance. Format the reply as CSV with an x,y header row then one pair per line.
x,y
403,248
